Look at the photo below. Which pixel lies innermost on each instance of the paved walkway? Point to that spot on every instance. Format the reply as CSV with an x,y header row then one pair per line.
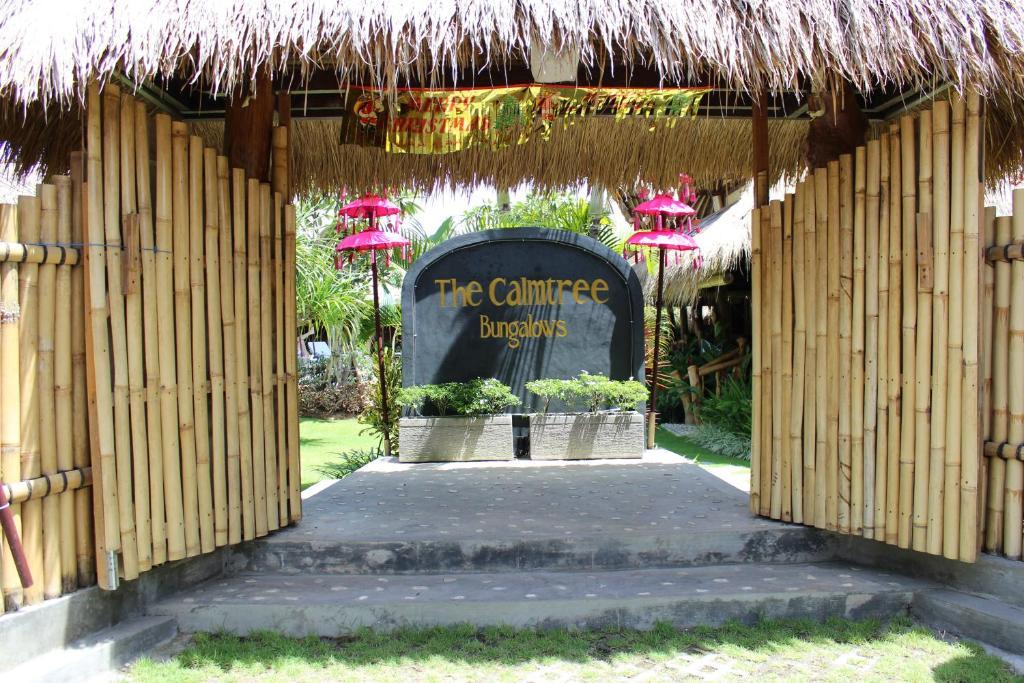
x,y
387,500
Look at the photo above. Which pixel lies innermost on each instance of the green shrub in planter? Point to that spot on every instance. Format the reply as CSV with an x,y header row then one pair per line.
x,y
466,423
589,433
590,392
475,397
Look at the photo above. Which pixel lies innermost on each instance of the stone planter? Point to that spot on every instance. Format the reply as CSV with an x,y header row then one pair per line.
x,y
586,436
455,439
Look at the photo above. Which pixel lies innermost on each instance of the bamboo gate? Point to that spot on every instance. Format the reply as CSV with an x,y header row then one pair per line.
x,y
147,349
148,379
872,374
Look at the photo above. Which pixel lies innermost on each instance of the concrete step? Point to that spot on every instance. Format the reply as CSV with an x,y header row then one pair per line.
x,y
988,620
100,653
335,605
289,553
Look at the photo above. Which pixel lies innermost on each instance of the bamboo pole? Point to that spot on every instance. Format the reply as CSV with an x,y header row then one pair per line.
x,y
882,348
858,469
28,330
294,466
987,324
908,277
46,379
10,407
200,375
786,355
131,286
970,434
923,335
85,546
954,348
63,408
799,347
844,371
894,393
150,334
869,404
775,238
758,330
1000,387
97,349
1013,518
239,202
175,448
218,427
821,480
227,299
279,371
940,321
279,161
118,328
810,295
834,344
766,366
259,475
267,357
183,336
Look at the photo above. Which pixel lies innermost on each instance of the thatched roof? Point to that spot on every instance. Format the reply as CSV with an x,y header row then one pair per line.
x,y
50,50
724,242
607,151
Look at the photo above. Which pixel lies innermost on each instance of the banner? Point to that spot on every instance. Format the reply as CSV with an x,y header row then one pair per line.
x,y
421,121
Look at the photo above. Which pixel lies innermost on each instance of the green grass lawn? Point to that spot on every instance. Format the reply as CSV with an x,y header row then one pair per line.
x,y
321,440
839,650
733,470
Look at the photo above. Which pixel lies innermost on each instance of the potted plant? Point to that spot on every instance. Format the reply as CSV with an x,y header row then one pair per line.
x,y
457,422
611,427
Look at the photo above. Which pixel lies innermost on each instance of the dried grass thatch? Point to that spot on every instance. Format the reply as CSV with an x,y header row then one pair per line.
x,y
725,245
51,49
606,151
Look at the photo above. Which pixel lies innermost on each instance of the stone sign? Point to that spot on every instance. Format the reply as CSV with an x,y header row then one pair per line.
x,y
521,304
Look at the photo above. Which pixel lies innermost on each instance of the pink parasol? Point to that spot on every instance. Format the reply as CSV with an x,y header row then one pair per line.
x,y
665,205
663,239
673,221
369,206
371,239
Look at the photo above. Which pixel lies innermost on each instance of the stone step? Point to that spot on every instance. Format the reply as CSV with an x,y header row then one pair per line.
x,y
289,553
100,653
336,605
988,620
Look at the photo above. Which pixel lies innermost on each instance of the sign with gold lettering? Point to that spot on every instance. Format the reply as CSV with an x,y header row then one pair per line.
x,y
520,304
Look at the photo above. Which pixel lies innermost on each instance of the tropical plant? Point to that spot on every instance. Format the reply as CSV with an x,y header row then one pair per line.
x,y
593,392
558,211
721,441
373,416
348,463
730,410
475,397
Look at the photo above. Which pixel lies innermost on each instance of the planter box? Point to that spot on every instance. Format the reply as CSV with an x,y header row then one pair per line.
x,y
455,439
586,436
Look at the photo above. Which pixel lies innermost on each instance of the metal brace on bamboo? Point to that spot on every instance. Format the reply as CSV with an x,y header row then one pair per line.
x,y
1004,450
1006,252
45,254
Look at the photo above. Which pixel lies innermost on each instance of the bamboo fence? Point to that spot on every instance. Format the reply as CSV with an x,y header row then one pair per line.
x,y
125,432
878,347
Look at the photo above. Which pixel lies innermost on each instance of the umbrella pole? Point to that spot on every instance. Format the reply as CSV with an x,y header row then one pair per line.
x,y
385,415
652,416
